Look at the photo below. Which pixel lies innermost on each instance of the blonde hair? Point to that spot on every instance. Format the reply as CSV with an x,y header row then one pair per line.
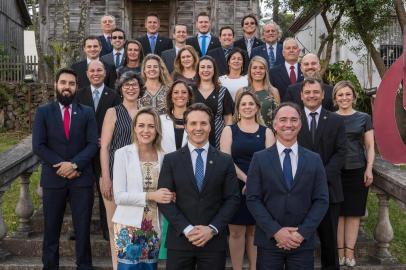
x,y
238,98
340,85
265,81
163,71
158,138
177,66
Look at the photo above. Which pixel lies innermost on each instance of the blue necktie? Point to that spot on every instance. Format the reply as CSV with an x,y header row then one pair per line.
x,y
203,45
118,59
287,168
96,98
271,56
152,43
199,169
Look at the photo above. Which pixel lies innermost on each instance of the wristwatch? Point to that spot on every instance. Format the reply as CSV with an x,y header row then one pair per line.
x,y
74,166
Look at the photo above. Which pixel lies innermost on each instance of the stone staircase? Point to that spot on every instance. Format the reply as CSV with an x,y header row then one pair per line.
x,y
25,253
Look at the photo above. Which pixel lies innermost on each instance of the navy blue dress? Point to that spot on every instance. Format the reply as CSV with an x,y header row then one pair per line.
x,y
243,147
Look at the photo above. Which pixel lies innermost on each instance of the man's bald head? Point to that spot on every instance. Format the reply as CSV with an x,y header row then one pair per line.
x,y
96,72
310,66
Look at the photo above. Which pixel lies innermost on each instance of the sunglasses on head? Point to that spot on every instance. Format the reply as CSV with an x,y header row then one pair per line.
x,y
117,37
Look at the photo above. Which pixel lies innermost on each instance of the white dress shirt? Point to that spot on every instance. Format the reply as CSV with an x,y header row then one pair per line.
x,y
294,156
208,39
287,66
309,118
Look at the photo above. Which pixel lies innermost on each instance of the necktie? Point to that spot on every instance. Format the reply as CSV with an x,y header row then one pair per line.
x,y
226,52
118,59
152,43
199,169
96,98
249,46
66,121
287,168
313,125
271,56
203,45
292,75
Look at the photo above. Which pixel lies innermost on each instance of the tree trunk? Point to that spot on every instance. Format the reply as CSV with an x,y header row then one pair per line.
x,y
66,48
400,13
84,12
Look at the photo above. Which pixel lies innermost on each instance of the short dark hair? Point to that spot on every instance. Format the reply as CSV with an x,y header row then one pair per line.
x,y
307,81
197,107
92,37
152,14
286,104
169,102
225,28
65,71
179,24
202,14
244,60
118,30
215,78
252,16
128,76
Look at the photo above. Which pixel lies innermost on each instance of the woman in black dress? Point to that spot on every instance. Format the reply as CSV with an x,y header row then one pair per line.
x,y
241,140
357,173
133,56
215,96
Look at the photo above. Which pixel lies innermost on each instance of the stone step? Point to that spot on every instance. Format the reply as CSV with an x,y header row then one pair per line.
x,y
32,247
68,263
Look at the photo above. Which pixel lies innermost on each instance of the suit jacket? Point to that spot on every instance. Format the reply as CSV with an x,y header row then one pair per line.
x,y
330,144
168,57
215,204
274,205
51,146
168,134
221,61
293,94
240,43
129,194
263,52
108,98
280,78
81,67
194,42
110,59
162,44
106,46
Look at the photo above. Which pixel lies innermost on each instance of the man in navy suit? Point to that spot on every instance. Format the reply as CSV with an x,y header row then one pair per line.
x,y
64,137
272,49
249,24
310,67
324,133
152,42
288,72
204,41
207,196
169,56
108,24
287,195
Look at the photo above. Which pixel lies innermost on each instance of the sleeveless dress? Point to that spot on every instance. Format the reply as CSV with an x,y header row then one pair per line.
x,y
138,248
121,134
243,147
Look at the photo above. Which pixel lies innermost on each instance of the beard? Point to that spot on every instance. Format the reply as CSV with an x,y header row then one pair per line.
x,y
65,100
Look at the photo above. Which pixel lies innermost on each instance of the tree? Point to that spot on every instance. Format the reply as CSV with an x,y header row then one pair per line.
x,y
400,14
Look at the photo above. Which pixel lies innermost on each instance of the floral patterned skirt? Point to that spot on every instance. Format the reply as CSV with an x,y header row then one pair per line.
x,y
136,248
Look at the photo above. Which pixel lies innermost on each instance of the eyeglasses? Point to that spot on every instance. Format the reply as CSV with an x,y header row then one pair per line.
x,y
131,85
249,23
117,37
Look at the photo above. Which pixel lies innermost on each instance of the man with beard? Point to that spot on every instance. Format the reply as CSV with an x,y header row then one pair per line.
x,y
64,137
310,67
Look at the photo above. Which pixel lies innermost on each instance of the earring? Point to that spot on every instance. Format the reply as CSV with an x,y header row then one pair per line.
x,y
239,117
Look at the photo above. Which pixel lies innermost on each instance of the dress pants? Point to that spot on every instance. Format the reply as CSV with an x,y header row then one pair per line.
x,y
327,231
279,259
54,204
195,260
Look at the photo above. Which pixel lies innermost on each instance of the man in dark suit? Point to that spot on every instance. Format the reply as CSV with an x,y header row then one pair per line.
x,y
323,132
310,67
92,48
289,72
220,54
100,98
152,42
272,49
116,57
108,23
207,196
179,35
249,24
204,41
64,137
287,195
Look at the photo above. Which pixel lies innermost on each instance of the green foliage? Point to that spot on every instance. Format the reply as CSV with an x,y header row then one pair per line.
x,y
341,71
285,20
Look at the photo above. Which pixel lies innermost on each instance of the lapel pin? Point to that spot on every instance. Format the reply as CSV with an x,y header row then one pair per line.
x,y
257,135
75,113
210,161
105,93
325,117
214,96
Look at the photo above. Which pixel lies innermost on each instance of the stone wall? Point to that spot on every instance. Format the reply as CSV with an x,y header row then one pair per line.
x,y
18,102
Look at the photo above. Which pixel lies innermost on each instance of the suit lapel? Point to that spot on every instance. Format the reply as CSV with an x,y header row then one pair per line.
x,y
276,167
104,98
305,130
58,120
299,74
300,167
148,46
188,165
284,73
87,97
74,120
158,44
210,166
256,43
321,125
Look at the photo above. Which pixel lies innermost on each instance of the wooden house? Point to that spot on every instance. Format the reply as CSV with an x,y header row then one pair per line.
x,y
14,18
130,14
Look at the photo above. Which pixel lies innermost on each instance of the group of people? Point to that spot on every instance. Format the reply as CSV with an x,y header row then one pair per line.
x,y
201,141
